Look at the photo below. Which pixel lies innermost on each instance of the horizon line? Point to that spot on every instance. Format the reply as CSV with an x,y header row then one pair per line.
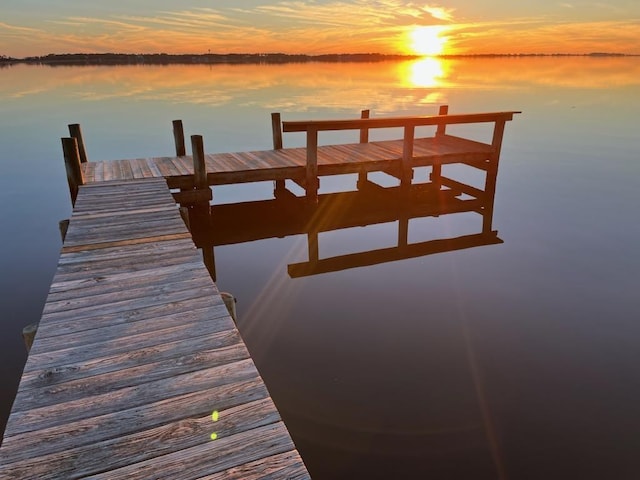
x,y
6,58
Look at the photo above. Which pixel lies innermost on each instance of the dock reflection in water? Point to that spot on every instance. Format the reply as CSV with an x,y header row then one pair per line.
x,y
371,204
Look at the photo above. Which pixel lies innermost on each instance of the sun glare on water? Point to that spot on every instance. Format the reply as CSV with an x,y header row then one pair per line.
x,y
427,40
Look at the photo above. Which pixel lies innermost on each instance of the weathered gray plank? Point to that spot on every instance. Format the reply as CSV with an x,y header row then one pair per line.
x,y
286,465
195,462
89,406
166,425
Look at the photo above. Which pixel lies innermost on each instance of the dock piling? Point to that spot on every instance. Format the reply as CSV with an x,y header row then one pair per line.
x,y
276,127
364,138
199,167
72,166
436,169
76,132
312,183
29,335
178,136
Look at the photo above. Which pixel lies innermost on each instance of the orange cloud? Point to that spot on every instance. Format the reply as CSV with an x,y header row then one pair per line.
x,y
334,26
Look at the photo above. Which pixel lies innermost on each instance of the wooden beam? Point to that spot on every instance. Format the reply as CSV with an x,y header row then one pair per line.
x,y
463,188
391,254
395,122
185,197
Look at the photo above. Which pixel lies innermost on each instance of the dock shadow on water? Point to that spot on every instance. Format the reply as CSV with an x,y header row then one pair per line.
x,y
388,408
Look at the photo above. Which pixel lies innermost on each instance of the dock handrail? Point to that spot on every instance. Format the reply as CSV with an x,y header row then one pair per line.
x,y
393,122
364,124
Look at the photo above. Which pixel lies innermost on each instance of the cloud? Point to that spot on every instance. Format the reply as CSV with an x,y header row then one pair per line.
x,y
8,28
440,13
314,27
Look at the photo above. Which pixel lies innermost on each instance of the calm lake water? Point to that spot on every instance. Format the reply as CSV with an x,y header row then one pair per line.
x,y
517,360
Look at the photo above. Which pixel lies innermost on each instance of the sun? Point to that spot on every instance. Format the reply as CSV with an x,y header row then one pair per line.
x,y
427,40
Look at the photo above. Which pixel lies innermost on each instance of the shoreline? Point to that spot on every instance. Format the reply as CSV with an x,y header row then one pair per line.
x,y
255,58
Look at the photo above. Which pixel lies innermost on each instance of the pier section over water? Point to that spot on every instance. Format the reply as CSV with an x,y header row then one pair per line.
x,y
137,369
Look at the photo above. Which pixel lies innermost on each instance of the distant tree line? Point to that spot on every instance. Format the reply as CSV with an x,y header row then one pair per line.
x,y
210,58
240,58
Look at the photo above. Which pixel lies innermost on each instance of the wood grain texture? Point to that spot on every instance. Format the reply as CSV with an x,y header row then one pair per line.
x,y
134,351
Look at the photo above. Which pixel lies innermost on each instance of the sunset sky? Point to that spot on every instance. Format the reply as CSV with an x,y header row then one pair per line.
x,y
39,27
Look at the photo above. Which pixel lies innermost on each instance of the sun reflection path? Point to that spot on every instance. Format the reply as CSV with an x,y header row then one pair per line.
x,y
427,73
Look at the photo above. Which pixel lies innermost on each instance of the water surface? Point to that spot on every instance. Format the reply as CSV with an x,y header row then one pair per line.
x,y
514,360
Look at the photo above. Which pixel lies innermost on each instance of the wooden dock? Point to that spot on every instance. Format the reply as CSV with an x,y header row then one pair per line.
x,y
306,165
137,369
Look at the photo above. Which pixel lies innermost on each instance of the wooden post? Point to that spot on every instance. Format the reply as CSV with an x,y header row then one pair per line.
x,y
29,334
184,213
492,174
436,170
230,302
199,167
76,132
276,127
313,246
364,138
403,231
312,181
72,166
178,136
209,258
407,155
443,110
63,225
364,132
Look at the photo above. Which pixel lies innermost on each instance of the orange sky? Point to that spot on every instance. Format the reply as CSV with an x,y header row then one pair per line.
x,y
32,27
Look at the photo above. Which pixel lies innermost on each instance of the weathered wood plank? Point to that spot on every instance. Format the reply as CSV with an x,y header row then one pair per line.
x,y
139,375
286,465
42,376
119,438
100,332
86,405
195,462
148,444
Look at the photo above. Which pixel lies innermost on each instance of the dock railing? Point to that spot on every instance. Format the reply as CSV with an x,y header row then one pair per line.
x,y
407,123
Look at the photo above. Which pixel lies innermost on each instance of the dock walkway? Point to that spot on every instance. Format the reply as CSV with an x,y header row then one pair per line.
x,y
137,369
287,163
